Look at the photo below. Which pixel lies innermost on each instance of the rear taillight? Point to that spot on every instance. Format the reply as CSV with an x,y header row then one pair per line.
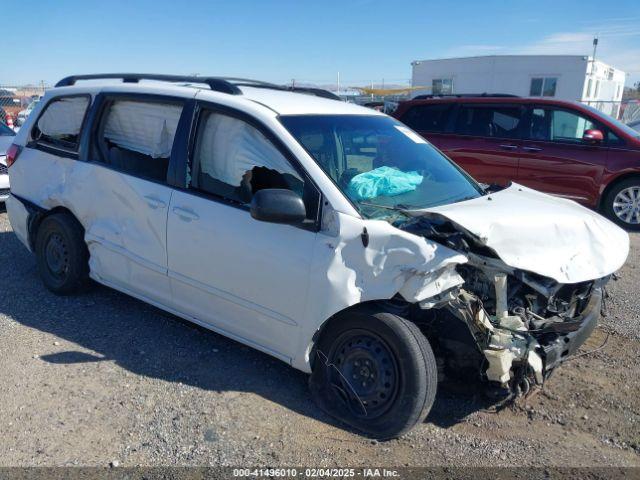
x,y
12,154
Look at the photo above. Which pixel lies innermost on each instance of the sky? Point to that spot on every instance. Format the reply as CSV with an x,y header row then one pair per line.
x,y
362,41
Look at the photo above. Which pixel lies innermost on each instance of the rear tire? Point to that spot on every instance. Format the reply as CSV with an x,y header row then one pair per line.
x,y
621,204
62,255
374,371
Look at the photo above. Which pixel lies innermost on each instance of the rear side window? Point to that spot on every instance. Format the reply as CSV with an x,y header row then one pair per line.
x,y
136,137
233,160
488,121
427,118
60,123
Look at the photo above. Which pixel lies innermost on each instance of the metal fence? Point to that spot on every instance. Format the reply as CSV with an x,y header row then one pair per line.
x,y
16,102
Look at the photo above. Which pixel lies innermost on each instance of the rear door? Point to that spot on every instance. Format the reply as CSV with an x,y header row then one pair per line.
x,y
555,159
245,278
122,196
485,141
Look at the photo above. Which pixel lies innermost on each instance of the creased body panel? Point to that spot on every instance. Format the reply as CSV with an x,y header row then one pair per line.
x,y
125,232
533,231
344,272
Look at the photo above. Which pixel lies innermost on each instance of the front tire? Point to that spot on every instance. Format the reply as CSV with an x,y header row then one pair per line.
x,y
374,371
622,204
62,255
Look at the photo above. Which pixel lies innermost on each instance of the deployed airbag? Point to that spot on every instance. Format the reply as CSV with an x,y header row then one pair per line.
x,y
63,117
146,128
230,147
382,181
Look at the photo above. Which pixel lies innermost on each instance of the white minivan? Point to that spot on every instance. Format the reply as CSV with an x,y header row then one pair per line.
x,y
328,235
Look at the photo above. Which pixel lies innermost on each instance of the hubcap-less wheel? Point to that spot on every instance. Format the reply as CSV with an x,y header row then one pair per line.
x,y
366,372
56,256
626,205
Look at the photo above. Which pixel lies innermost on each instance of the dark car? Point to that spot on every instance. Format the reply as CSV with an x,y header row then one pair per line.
x,y
559,147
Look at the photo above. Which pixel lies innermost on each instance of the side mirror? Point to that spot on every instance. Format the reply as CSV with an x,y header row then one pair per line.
x,y
592,136
278,205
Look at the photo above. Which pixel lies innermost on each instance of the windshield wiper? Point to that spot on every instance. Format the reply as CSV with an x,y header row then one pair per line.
x,y
396,208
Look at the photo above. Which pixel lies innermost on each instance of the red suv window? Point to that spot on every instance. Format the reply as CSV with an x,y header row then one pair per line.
x,y
489,121
427,118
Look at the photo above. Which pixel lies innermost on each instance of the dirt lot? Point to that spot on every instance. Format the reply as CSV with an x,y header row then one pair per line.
x,y
102,377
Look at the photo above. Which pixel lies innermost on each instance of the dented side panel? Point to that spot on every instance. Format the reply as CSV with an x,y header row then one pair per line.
x,y
124,217
344,272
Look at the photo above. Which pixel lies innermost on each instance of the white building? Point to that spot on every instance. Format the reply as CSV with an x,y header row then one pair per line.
x,y
566,77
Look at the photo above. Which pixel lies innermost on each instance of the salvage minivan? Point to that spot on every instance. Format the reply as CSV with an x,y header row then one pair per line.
x,y
326,234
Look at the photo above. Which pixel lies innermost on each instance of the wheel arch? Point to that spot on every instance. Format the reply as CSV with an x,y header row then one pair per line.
x,y
613,183
396,305
38,214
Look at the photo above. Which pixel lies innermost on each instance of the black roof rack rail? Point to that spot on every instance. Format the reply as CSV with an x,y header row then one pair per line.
x,y
219,84
465,95
215,83
318,92
249,82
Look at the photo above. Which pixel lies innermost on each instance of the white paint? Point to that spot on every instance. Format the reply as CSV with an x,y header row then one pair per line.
x,y
550,236
512,74
272,286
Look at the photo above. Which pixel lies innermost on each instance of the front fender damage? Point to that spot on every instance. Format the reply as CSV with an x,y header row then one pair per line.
x,y
508,326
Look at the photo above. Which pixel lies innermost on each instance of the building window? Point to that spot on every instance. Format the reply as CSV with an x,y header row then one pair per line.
x,y
618,92
442,86
543,87
589,85
597,92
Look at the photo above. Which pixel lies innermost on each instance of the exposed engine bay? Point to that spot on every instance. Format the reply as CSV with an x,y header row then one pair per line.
x,y
514,327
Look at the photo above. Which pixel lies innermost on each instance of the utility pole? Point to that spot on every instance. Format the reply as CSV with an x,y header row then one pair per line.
x,y
593,58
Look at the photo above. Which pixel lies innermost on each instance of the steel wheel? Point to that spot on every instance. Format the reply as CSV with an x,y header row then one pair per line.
x,y
366,372
56,256
626,205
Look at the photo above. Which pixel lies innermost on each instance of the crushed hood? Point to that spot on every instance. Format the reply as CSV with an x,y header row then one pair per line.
x,y
540,233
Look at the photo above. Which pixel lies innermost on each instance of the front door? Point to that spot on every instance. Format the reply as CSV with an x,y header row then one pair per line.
x,y
245,278
555,159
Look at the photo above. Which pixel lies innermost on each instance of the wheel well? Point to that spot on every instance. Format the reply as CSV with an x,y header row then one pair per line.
x,y
36,218
612,184
396,305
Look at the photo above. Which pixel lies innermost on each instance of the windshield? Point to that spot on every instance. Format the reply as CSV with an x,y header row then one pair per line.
x,y
380,164
6,131
625,128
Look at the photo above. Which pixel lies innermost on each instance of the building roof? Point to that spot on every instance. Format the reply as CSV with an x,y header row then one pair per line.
x,y
585,57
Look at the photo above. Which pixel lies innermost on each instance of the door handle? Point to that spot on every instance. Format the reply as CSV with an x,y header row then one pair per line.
x,y
509,147
185,214
154,202
532,149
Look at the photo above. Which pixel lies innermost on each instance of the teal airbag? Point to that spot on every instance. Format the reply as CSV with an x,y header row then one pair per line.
x,y
382,181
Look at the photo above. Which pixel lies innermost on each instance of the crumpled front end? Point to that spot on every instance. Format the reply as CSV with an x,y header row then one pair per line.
x,y
514,320
522,329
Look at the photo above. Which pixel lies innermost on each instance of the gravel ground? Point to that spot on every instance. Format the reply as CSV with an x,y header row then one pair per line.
x,y
102,377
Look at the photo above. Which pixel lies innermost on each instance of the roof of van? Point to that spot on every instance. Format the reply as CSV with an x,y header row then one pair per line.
x,y
281,102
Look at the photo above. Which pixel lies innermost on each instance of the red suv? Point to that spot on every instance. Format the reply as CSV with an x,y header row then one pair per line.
x,y
563,148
